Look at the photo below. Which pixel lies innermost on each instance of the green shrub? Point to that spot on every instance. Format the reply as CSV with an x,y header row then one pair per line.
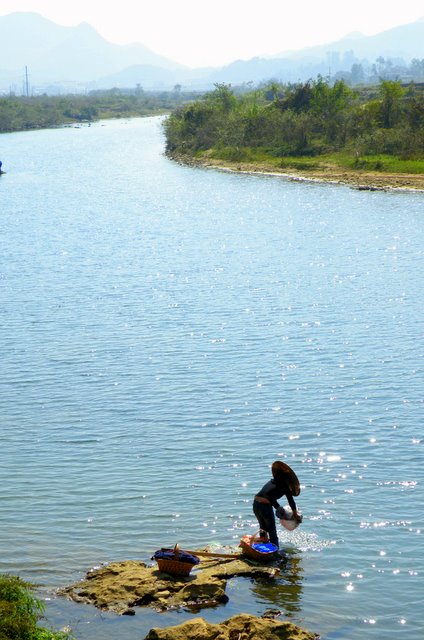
x,y
310,120
20,611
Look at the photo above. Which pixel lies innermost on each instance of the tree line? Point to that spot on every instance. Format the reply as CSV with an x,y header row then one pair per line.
x,y
383,68
303,119
19,113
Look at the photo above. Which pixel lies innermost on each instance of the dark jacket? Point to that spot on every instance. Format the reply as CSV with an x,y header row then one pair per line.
x,y
275,489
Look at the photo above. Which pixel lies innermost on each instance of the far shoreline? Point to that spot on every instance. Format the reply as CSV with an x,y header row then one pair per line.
x,y
360,180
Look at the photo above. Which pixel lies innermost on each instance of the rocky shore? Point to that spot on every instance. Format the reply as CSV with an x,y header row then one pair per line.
x,y
362,180
124,586
241,627
121,586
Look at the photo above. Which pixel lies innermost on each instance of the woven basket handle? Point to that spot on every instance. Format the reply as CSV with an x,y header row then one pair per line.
x,y
176,551
254,537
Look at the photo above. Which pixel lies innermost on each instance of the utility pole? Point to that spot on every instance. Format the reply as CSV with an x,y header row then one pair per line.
x,y
26,82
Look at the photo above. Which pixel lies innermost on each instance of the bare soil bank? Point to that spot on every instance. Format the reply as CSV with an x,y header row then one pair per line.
x,y
364,180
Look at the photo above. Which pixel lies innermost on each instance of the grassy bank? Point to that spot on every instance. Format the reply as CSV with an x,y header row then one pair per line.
x,y
373,172
382,163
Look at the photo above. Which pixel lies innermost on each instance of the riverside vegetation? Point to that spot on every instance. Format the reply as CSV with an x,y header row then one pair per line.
x,y
312,128
41,112
20,611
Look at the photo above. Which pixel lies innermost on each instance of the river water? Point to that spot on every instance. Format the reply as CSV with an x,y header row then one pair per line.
x,y
166,333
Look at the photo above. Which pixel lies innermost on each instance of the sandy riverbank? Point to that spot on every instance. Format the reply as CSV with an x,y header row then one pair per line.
x,y
364,180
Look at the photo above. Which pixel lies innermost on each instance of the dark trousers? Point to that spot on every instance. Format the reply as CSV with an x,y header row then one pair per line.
x,y
265,516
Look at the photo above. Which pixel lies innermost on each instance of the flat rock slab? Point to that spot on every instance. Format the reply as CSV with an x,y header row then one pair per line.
x,y
120,586
240,627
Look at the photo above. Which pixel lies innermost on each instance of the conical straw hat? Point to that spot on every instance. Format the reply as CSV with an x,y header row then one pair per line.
x,y
293,482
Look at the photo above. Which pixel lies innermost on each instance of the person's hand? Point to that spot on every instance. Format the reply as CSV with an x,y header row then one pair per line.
x,y
297,516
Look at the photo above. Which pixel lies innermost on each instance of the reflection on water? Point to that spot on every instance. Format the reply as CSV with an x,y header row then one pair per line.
x,y
285,593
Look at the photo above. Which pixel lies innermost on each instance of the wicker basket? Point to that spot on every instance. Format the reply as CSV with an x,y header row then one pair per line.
x,y
246,546
174,566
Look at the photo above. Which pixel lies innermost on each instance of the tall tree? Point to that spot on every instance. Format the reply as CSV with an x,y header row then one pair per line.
x,y
391,93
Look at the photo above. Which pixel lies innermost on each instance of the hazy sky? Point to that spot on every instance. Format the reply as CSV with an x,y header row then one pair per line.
x,y
199,33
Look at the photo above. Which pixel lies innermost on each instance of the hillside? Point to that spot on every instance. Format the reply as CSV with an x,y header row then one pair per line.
x,y
55,53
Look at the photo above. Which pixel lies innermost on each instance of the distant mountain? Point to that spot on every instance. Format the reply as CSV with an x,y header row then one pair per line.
x,y
405,41
402,44
77,58
55,53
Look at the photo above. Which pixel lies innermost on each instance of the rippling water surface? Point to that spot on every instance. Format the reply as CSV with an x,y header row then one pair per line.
x,y
166,333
